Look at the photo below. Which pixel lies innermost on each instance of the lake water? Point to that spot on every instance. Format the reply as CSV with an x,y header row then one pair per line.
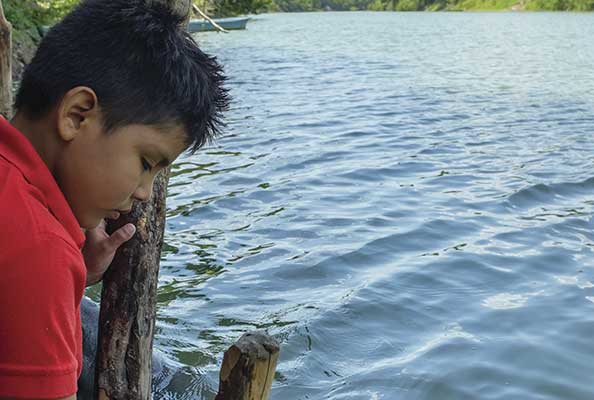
x,y
404,200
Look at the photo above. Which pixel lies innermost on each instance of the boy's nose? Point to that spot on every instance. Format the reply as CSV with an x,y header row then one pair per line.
x,y
143,192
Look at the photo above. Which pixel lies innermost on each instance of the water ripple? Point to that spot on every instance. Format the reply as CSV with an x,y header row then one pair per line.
x,y
410,218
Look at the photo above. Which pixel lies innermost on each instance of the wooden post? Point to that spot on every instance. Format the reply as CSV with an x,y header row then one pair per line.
x,y
5,65
128,297
248,368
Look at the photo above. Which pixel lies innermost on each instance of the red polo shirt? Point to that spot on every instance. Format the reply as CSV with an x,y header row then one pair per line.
x,y
42,277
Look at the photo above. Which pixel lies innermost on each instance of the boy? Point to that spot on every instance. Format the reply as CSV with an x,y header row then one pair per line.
x,y
115,92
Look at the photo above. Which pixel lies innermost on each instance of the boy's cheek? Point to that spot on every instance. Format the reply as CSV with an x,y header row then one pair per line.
x,y
87,206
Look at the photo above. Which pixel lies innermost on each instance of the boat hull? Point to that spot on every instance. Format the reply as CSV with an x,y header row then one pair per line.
x,y
199,25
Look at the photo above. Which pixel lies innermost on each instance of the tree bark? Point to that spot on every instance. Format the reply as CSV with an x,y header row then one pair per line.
x,y
128,297
5,65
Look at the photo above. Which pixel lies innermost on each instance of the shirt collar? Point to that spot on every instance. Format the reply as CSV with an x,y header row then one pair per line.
x,y
19,151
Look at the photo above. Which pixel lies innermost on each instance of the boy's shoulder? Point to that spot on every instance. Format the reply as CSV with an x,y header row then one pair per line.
x,y
42,281
24,215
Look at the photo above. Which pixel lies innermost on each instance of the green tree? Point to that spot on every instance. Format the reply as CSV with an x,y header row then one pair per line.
x,y
226,8
376,5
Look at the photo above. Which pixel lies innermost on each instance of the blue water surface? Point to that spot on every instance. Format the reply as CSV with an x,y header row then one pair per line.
x,y
404,200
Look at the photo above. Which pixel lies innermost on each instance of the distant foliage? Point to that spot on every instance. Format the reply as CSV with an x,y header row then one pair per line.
x,y
561,5
23,14
376,5
225,8
482,4
29,14
432,5
456,5
56,9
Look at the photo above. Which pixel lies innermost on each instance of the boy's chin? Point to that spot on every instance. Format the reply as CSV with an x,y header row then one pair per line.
x,y
88,227
88,223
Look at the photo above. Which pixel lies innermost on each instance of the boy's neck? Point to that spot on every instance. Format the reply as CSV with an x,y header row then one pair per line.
x,y
43,141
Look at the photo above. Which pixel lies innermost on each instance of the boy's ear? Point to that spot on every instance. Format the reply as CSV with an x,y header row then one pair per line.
x,y
78,109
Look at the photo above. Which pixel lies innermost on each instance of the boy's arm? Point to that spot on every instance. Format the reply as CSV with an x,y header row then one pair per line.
x,y
41,285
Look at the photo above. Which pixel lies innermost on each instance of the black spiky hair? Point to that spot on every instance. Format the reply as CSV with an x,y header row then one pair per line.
x,y
144,68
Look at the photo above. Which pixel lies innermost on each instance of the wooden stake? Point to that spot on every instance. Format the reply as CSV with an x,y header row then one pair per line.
x,y
5,65
128,301
248,368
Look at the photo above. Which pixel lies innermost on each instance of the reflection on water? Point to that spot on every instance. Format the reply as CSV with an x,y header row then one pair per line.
x,y
403,200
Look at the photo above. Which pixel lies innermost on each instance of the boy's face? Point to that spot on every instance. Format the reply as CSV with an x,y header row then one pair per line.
x,y
102,174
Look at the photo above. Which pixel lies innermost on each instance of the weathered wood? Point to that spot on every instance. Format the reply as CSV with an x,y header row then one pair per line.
x,y
5,65
248,368
128,299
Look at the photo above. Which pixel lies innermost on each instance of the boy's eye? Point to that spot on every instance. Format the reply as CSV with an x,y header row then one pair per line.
x,y
145,165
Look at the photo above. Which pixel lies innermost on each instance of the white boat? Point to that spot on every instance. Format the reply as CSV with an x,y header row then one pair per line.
x,y
202,25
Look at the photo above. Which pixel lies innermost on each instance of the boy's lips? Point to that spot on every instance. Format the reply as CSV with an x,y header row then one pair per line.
x,y
115,214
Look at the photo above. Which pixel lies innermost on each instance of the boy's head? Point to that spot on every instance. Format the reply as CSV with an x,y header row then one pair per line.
x,y
119,87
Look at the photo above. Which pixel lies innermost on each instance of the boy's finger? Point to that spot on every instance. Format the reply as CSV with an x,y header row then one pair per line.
x,y
100,227
122,235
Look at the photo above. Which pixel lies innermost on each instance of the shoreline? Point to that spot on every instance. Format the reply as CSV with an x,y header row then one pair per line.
x,y
25,41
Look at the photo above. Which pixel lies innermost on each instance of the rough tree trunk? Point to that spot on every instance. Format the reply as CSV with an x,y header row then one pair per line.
x,y
127,316
128,298
5,65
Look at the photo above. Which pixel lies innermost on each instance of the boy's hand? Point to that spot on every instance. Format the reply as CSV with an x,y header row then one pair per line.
x,y
100,248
